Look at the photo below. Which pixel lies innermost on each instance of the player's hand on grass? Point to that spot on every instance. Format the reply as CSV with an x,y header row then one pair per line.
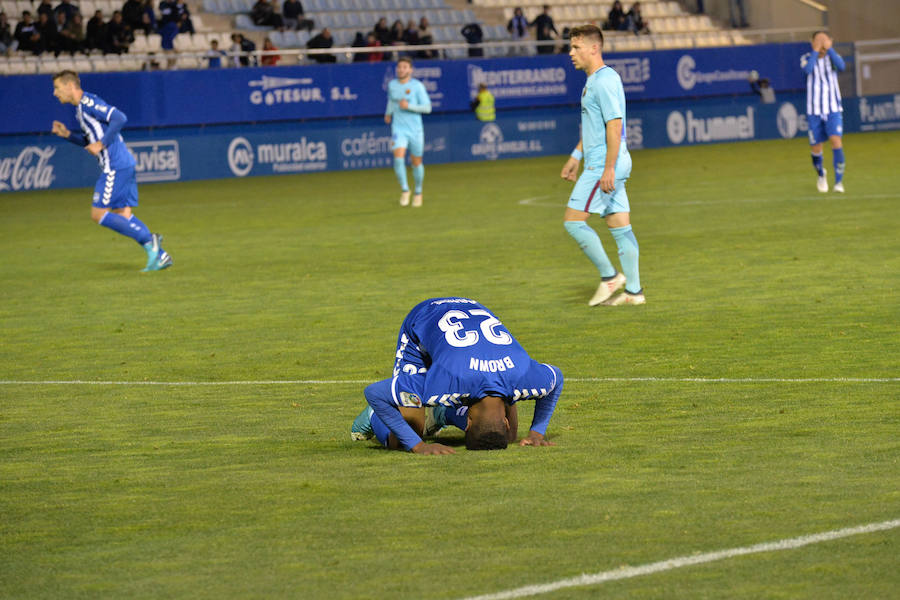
x,y
535,439
570,169
60,129
423,448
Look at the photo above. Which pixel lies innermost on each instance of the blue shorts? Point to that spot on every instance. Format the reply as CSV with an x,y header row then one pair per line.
x,y
588,197
406,139
116,189
820,129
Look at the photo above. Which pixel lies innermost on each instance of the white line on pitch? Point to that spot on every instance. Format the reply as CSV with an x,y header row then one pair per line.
x,y
569,379
685,561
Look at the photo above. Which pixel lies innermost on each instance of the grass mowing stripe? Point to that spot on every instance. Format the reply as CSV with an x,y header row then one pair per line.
x,y
687,561
570,380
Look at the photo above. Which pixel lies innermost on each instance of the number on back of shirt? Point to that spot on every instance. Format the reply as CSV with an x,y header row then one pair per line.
x,y
454,323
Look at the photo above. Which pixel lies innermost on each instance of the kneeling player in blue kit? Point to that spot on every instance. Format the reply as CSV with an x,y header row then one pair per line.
x,y
453,352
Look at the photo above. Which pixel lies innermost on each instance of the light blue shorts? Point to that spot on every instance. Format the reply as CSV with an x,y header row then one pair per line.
x,y
821,129
415,142
588,197
116,189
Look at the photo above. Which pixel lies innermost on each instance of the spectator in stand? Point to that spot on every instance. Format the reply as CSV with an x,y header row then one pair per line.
x,y
118,36
185,24
241,49
518,31
635,22
46,28
615,19
67,8
321,41
149,18
264,15
411,34
359,41
269,60
398,32
214,55
426,39
382,31
737,13
168,28
133,14
373,42
95,33
474,35
294,18
45,8
27,35
543,24
7,40
59,23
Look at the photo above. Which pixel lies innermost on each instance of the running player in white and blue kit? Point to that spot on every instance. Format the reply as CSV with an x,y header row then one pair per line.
x,y
116,190
407,102
607,164
453,352
824,111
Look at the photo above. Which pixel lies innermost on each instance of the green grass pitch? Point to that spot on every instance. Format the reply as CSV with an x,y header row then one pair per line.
x,y
753,399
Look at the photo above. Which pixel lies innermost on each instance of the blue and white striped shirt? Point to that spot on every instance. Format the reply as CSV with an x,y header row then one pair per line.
x,y
93,114
823,96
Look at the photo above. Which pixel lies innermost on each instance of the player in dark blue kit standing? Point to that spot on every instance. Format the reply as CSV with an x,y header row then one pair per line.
x,y
116,189
454,353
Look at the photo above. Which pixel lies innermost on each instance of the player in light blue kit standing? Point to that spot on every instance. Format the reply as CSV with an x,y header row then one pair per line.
x,y
607,164
824,110
407,102
116,189
454,353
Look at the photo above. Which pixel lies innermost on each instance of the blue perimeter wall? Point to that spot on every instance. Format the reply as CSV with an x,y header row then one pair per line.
x,y
263,146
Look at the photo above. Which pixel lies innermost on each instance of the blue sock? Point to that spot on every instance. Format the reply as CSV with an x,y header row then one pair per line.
x,y
418,177
590,244
120,224
143,230
628,255
400,171
838,164
818,163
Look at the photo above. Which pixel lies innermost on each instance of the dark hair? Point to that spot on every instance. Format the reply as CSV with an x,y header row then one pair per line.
x,y
587,31
815,33
405,59
68,75
487,435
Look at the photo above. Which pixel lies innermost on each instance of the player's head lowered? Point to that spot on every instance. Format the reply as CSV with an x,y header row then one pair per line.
x,y
67,87
404,68
487,427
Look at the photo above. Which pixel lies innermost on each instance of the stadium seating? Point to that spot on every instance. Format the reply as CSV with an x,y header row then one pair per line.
x,y
670,25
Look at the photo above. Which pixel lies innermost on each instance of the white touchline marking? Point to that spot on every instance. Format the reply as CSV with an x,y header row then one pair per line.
x,y
535,201
568,379
686,561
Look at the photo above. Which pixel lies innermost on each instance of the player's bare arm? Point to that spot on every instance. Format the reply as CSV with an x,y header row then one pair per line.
x,y
613,140
432,449
570,169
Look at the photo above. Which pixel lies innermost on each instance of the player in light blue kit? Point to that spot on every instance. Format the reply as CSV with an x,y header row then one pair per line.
x,y
824,110
116,189
454,353
607,164
407,102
